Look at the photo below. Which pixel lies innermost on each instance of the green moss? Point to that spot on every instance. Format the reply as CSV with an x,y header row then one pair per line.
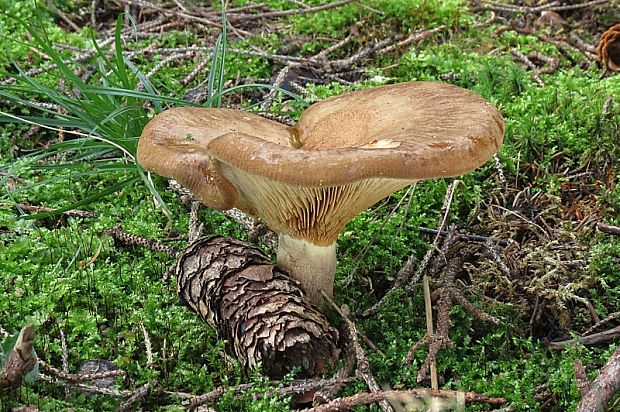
x,y
66,273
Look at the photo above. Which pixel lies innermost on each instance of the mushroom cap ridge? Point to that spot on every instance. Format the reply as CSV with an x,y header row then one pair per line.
x,y
173,144
414,130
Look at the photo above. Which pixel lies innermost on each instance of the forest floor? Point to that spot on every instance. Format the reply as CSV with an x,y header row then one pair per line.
x,y
523,254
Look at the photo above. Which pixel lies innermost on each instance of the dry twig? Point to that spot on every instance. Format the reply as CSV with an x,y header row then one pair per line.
x,y
139,394
295,387
119,234
78,377
345,404
594,339
363,367
606,384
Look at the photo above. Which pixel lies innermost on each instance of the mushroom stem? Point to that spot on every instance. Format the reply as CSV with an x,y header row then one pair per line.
x,y
311,265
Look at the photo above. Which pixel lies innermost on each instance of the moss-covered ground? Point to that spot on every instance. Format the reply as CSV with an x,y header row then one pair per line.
x,y
555,178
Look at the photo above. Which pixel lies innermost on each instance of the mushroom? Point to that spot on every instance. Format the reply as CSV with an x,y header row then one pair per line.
x,y
308,181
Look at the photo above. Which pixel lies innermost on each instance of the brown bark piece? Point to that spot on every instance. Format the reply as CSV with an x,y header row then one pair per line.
x,y
606,384
20,361
256,307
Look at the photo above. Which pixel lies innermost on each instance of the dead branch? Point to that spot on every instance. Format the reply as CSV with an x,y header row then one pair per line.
x,y
597,325
467,236
139,394
583,384
606,384
19,362
325,394
414,38
488,5
196,228
86,388
295,387
584,5
345,404
282,13
42,209
78,378
612,230
518,56
172,13
594,339
62,15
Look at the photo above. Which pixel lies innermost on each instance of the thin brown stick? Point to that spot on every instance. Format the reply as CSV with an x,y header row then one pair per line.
x,y
88,388
139,394
363,366
173,13
42,209
295,387
594,339
428,313
597,325
583,384
530,64
612,230
345,404
578,6
196,228
125,237
273,93
62,15
606,384
326,394
282,13
488,5
414,38
78,378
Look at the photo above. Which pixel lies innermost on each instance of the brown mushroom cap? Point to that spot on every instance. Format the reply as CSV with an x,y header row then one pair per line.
x,y
174,143
355,149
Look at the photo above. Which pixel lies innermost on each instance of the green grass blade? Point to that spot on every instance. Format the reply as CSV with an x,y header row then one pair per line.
x,y
86,201
120,60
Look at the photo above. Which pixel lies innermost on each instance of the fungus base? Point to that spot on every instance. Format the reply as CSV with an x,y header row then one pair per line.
x,y
313,266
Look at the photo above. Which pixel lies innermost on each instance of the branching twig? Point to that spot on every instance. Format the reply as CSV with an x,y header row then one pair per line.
x,y
41,209
122,236
530,64
363,367
87,388
282,13
137,395
295,387
345,404
78,378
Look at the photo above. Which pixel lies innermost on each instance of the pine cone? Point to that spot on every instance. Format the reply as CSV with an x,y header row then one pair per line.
x,y
608,49
256,307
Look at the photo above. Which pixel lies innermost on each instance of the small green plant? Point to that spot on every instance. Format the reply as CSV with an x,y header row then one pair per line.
x,y
104,117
